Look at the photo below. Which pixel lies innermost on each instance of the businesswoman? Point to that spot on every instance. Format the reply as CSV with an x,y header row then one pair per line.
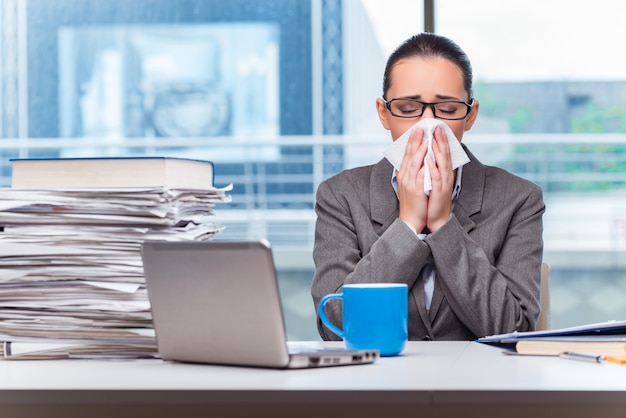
x,y
470,251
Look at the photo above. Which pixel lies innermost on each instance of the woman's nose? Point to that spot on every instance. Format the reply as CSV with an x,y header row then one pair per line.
x,y
428,112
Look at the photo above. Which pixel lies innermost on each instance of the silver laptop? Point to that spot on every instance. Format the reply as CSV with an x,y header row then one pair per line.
x,y
218,302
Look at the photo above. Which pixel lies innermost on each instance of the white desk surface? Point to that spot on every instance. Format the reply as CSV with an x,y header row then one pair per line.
x,y
441,378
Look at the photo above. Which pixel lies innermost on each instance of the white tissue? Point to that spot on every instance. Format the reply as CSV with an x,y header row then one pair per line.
x,y
395,152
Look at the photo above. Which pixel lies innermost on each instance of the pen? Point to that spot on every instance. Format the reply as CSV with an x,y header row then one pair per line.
x,y
572,355
621,359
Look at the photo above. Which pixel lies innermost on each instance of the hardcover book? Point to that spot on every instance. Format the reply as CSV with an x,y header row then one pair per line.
x,y
592,344
44,173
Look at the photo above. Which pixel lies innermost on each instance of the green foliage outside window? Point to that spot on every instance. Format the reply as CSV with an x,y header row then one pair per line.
x,y
589,167
597,119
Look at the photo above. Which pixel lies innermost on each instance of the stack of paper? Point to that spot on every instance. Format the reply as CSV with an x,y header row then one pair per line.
x,y
71,276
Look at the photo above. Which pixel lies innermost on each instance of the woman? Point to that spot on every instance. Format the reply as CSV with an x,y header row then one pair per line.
x,y
470,250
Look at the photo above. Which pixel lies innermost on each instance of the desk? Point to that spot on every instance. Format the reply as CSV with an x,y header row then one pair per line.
x,y
431,379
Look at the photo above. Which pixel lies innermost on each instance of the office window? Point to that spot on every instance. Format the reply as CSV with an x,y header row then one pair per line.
x,y
168,80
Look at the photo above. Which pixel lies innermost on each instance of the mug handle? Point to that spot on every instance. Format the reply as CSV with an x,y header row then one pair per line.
x,y
323,316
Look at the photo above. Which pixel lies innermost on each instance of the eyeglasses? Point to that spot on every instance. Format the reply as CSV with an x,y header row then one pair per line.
x,y
411,108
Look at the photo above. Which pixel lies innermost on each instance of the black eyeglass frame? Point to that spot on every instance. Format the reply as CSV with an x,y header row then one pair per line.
x,y
468,106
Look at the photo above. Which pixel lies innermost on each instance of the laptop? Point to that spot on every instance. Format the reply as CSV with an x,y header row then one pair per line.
x,y
218,302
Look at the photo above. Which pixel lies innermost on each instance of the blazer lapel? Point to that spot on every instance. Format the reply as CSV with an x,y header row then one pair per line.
x,y
472,190
419,296
384,205
435,303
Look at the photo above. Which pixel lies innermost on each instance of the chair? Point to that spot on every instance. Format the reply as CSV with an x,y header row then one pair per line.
x,y
543,322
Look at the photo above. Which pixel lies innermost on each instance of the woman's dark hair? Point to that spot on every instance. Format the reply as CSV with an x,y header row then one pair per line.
x,y
430,45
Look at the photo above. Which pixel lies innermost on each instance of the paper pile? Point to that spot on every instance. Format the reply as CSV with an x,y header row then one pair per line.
x,y
71,276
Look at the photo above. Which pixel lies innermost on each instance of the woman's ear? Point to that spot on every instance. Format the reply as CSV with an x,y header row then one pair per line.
x,y
471,116
383,114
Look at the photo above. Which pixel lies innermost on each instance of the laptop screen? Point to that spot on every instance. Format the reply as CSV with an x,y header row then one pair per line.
x,y
215,302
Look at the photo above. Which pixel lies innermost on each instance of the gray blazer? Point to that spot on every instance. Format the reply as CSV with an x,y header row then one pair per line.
x,y
487,255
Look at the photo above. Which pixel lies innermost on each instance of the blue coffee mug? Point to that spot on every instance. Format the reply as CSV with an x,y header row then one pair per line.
x,y
375,316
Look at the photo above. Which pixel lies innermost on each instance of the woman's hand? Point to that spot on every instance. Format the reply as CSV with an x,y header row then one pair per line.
x,y
410,177
442,177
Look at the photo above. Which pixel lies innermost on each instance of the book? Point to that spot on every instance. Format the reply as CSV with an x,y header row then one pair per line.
x,y
44,173
591,344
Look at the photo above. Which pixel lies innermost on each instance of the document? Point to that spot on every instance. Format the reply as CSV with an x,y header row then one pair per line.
x,y
144,346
